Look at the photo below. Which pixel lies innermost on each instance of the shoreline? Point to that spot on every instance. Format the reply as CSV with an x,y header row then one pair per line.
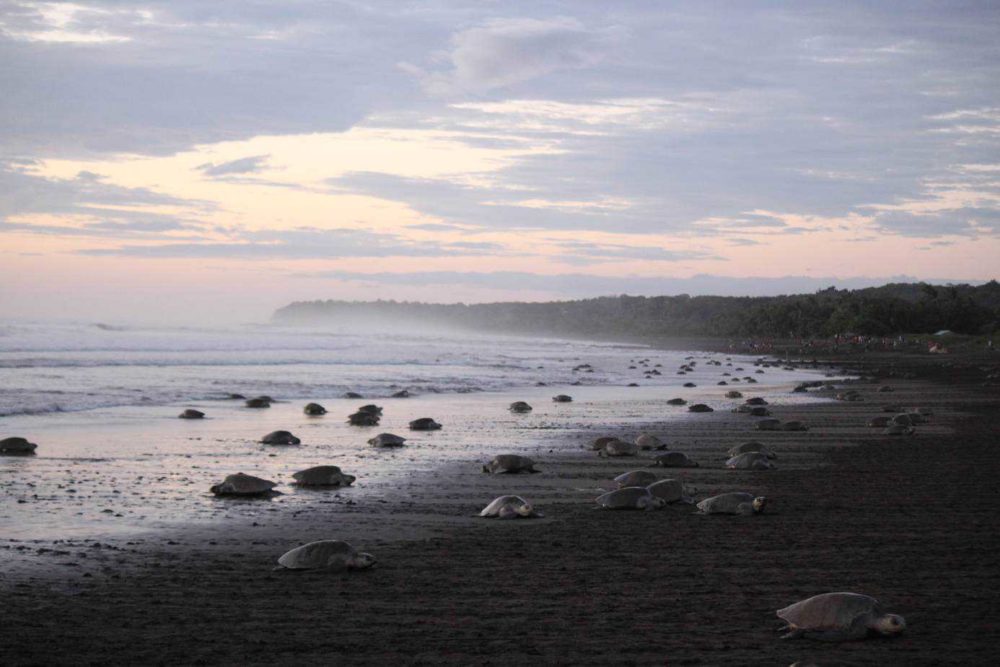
x,y
578,586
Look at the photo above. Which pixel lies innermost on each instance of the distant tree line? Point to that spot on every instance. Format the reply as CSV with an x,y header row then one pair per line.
x,y
892,309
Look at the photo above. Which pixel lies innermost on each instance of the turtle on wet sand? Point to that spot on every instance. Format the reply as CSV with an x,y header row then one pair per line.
x,y
509,463
509,507
325,555
323,476
387,440
737,502
838,617
241,484
630,498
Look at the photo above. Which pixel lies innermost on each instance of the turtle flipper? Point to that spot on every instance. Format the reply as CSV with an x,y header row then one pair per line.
x,y
794,634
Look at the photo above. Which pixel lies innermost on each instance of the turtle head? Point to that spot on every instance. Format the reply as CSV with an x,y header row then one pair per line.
x,y
361,561
349,479
758,504
525,509
889,624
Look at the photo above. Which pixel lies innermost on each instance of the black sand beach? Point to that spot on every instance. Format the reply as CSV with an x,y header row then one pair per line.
x,y
910,520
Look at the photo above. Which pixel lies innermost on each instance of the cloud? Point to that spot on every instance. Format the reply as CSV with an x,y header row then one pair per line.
x,y
243,165
87,193
506,51
300,243
967,221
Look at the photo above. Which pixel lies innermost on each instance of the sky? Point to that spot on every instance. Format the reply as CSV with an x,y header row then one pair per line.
x,y
208,162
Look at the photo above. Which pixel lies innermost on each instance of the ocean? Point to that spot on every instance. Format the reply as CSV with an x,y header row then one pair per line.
x,y
102,403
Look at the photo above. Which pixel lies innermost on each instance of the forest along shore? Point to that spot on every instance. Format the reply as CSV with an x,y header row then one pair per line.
x,y
910,520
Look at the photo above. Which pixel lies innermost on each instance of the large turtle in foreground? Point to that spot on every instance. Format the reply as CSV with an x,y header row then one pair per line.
x,y
630,498
244,485
738,502
510,463
326,555
323,476
16,445
838,617
509,507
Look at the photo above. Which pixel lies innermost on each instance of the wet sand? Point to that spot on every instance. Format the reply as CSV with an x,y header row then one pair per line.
x,y
911,521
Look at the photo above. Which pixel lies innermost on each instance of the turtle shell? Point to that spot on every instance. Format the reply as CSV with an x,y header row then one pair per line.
x,y
325,554
387,440
323,476
241,484
829,611
635,478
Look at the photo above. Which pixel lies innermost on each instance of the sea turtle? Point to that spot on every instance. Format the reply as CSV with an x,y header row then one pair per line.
x,y
371,409
923,412
630,498
314,409
750,461
386,440
323,476
326,555
259,402
794,426
699,407
752,446
352,394
510,463
244,485
191,413
669,491
363,419
424,424
915,418
599,443
885,389
690,385
733,394
676,401
737,502
648,441
401,394
756,400
519,407
879,422
674,460
768,425
509,507
838,617
16,445
635,478
903,420
618,448
280,438
758,411
562,398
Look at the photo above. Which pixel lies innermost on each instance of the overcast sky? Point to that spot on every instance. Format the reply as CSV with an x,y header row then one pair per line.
x,y
208,161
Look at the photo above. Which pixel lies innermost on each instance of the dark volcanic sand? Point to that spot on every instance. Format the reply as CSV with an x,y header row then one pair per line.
x,y
912,521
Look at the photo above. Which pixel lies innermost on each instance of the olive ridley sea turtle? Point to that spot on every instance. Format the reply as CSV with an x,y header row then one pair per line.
x,y
837,617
